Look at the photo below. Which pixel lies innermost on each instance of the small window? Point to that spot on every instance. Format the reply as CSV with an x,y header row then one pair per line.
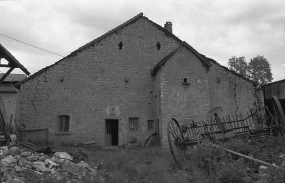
x,y
63,123
158,46
150,124
185,81
134,124
120,45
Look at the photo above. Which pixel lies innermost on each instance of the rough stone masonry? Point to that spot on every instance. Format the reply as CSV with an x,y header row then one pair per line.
x,y
126,85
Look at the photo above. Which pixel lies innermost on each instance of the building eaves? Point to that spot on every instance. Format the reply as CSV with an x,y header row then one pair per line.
x,y
12,60
187,46
229,70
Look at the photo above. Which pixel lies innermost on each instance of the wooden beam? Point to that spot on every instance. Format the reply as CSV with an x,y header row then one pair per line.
x,y
6,74
4,65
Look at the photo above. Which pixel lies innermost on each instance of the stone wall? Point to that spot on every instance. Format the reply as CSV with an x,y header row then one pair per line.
x,y
86,86
8,106
233,93
183,100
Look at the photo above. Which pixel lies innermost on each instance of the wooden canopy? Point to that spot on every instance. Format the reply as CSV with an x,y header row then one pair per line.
x,y
12,63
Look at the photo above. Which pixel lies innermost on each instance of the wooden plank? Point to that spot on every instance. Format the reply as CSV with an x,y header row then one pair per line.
x,y
5,65
6,74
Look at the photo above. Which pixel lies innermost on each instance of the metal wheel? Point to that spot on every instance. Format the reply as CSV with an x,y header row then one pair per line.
x,y
152,140
279,114
175,140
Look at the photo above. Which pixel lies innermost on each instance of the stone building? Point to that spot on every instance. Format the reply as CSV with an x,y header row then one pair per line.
x,y
125,85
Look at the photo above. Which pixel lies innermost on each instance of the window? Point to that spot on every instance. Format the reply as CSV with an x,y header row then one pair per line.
x,y
150,124
158,46
134,124
185,81
63,123
120,45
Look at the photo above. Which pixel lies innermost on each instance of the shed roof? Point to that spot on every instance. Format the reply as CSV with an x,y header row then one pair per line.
x,y
13,62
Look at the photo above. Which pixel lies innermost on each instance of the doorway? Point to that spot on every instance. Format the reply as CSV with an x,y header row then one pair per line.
x,y
112,132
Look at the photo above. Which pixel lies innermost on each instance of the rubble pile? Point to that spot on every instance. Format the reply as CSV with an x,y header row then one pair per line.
x,y
20,166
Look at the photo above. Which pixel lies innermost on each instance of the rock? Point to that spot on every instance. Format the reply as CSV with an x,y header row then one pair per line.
x,y
42,158
58,161
32,157
50,163
18,168
38,165
46,170
25,153
3,168
9,160
263,170
3,150
14,151
22,161
16,180
73,168
63,155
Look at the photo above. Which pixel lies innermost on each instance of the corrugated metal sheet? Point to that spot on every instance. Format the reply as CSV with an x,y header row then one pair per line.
x,y
275,89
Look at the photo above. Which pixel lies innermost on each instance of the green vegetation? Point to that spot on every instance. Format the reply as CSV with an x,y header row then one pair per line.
x,y
202,164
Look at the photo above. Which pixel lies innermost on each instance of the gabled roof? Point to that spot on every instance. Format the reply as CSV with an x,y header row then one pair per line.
x,y
187,46
201,57
13,62
97,40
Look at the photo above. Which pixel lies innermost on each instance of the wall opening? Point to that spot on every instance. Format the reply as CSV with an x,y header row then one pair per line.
x,y
120,45
158,46
112,132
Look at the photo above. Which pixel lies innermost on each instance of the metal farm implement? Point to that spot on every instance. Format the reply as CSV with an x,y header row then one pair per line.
x,y
257,123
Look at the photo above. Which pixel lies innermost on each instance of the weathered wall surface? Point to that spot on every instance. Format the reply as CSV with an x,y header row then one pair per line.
x,y
234,94
183,101
87,86
9,101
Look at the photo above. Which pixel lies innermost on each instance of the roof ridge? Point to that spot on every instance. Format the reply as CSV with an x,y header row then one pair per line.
x,y
109,32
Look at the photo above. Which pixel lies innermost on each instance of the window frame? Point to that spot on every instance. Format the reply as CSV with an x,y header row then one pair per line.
x,y
152,128
66,124
137,125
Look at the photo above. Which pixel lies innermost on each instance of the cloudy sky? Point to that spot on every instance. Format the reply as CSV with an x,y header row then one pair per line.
x,y
218,29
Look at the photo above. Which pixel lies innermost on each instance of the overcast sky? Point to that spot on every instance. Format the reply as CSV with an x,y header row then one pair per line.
x,y
218,29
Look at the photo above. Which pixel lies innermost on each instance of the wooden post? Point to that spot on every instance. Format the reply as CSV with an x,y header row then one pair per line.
x,y
221,126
